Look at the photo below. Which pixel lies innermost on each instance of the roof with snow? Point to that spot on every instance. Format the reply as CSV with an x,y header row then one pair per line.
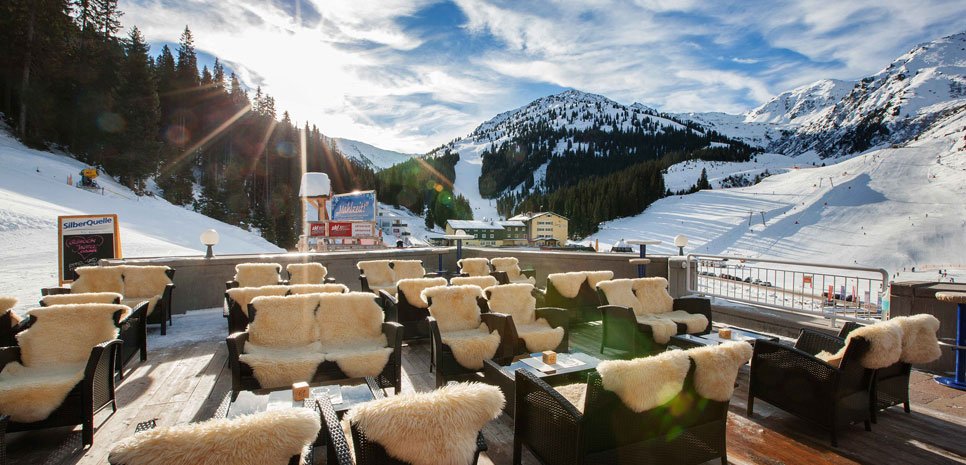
x,y
472,224
511,223
530,216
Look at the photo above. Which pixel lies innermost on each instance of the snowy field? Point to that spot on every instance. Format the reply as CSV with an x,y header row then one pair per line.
x,y
683,175
34,191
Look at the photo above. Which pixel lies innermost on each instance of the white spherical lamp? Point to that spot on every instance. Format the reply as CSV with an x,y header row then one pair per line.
x,y
681,241
209,238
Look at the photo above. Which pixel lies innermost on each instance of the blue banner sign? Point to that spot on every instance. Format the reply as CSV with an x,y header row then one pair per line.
x,y
356,206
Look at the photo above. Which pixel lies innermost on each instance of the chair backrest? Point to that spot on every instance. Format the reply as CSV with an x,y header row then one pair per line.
x,y
65,334
378,272
455,308
482,281
516,300
653,295
258,274
855,376
474,266
330,288
409,291
508,265
567,285
81,298
287,321
306,273
408,269
144,281
620,292
98,279
244,295
345,319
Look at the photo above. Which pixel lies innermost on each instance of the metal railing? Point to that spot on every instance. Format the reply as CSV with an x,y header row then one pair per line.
x,y
830,291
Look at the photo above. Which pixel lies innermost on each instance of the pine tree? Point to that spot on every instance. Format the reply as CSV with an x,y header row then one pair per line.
x,y
138,104
187,68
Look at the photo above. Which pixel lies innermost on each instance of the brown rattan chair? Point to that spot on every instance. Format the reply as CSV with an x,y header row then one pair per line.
x,y
689,429
621,331
583,307
556,318
366,452
442,360
795,380
890,385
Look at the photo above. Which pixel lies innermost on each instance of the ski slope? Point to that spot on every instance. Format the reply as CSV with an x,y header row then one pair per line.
x,y
892,208
34,191
682,176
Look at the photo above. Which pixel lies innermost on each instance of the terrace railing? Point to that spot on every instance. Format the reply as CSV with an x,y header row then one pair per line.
x,y
835,292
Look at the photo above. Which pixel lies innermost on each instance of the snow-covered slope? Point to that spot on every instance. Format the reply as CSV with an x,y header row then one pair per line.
x,y
801,105
755,134
370,155
34,191
891,208
682,176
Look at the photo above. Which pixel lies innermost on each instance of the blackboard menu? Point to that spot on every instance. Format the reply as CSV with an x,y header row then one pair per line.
x,y
84,240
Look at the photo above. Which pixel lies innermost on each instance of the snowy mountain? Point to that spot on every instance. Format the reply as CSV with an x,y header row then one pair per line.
x,y
34,191
801,105
370,155
755,134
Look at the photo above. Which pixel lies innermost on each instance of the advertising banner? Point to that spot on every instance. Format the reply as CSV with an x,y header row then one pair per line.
x,y
362,230
340,229
83,240
357,206
316,229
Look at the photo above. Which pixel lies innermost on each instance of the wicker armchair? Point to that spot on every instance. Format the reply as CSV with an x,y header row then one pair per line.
x,y
366,451
583,307
607,432
890,385
91,395
412,318
794,380
442,360
623,332
556,318
235,283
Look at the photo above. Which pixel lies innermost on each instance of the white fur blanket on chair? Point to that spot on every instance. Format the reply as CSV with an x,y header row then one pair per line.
x,y
331,288
350,330
7,302
408,269
517,301
283,345
716,368
595,277
661,328
265,438
413,289
244,295
568,284
457,314
695,322
306,273
144,281
257,274
919,342
98,279
510,266
653,295
54,352
645,383
620,292
430,428
885,345
474,266
378,273
82,298
482,282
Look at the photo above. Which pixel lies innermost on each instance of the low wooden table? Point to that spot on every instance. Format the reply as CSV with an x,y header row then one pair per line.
x,y
689,341
504,376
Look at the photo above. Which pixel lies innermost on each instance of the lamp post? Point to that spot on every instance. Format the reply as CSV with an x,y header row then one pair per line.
x,y
680,241
209,238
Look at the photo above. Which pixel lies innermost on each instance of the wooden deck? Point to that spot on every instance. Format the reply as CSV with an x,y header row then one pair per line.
x,y
186,377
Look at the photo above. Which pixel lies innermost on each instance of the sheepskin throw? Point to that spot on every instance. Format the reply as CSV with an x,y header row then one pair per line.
x,y
281,366
284,321
81,298
481,281
885,345
919,342
695,322
408,269
133,302
575,393
413,289
474,266
30,394
716,368
244,295
350,330
306,273
144,281
265,438
378,273
568,284
257,274
517,301
595,277
455,308
511,266
98,279
661,328
645,383
430,428
330,288
7,302
472,346
653,295
620,292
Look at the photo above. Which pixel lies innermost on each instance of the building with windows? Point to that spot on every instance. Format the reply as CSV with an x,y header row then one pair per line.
x,y
515,233
544,228
485,233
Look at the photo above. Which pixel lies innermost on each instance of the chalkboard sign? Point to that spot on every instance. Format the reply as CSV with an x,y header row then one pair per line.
x,y
84,240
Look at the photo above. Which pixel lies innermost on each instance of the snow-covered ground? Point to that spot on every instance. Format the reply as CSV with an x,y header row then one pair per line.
x,y
683,175
893,208
34,191
370,155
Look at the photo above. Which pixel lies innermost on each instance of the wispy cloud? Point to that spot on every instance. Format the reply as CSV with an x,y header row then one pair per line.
x,y
411,74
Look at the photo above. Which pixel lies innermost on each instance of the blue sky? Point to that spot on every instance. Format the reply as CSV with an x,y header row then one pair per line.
x,y
411,75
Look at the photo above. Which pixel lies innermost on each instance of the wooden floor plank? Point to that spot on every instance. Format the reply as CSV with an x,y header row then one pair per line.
x,y
186,377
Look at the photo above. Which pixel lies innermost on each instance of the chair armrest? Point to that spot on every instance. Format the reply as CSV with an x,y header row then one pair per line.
x,y
529,273
503,324
557,317
328,280
527,382
138,311
496,321
389,305
617,312
54,291
695,305
501,277
103,353
231,284
364,283
394,334
9,355
338,450
813,342
236,347
437,338
778,359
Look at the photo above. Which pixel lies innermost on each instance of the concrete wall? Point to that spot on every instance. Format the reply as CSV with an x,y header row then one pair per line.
x,y
912,298
201,282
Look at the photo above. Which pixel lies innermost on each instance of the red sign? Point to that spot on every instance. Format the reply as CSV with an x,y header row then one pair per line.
x,y
339,229
317,229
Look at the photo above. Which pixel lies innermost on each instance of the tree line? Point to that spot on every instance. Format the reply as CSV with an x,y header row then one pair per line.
x,y
425,186
197,136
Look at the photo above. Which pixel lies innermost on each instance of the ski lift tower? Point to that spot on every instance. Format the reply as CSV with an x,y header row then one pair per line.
x,y
314,190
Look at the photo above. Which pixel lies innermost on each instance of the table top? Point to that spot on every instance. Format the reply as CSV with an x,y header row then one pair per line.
x,y
736,335
354,391
643,242
589,363
954,297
